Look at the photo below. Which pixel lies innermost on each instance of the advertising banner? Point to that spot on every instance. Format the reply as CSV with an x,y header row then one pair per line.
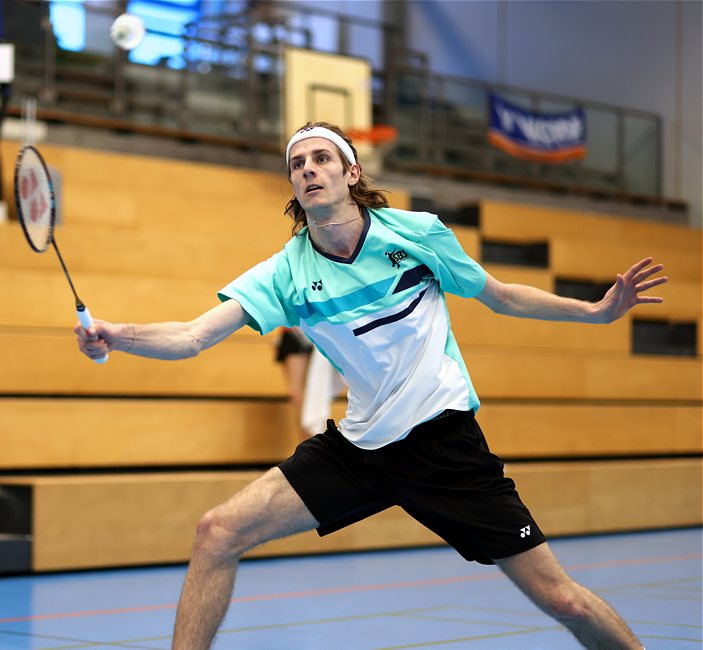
x,y
549,138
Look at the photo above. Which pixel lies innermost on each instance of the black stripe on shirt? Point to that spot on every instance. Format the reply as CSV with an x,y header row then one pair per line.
x,y
390,319
411,278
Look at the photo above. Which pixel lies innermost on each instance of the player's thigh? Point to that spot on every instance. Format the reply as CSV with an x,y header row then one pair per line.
x,y
266,509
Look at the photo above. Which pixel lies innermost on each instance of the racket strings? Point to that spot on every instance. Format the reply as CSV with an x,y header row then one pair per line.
x,y
35,199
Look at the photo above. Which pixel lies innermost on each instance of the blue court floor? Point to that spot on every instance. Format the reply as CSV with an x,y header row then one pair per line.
x,y
426,598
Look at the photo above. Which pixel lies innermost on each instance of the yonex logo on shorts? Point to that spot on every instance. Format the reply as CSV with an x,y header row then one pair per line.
x,y
525,532
317,285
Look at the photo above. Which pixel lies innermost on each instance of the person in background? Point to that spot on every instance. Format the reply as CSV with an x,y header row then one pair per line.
x,y
293,351
311,381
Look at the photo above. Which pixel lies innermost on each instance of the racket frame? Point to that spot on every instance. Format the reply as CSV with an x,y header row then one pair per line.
x,y
82,311
52,196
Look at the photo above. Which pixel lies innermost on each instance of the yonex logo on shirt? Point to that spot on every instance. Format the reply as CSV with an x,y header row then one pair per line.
x,y
525,532
317,285
396,257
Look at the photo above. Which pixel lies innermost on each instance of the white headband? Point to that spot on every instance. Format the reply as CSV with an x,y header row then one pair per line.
x,y
321,132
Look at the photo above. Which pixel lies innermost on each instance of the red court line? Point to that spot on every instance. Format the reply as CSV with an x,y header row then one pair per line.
x,y
430,582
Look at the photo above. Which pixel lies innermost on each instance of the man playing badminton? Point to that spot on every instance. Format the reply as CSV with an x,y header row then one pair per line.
x,y
366,284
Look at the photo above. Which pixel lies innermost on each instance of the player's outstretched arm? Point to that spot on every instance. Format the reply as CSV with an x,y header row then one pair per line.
x,y
528,302
171,340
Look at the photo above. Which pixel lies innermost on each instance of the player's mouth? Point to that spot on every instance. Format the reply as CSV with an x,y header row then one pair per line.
x,y
312,188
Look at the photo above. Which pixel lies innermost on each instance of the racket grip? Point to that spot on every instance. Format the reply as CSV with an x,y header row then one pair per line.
x,y
86,321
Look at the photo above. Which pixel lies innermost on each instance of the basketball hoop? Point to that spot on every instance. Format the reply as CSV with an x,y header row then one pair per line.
x,y
372,145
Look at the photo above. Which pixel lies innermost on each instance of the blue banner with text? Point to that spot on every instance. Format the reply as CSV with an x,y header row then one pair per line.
x,y
550,138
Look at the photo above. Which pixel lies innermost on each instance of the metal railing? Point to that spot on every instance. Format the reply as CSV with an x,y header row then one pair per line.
x,y
228,87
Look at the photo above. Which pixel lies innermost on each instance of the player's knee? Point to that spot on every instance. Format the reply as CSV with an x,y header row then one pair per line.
x,y
217,537
567,606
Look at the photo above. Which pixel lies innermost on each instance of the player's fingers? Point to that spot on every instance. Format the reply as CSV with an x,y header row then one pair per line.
x,y
636,268
83,335
91,334
655,282
651,270
80,332
94,349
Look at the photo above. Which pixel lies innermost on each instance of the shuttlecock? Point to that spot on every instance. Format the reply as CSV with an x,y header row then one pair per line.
x,y
127,31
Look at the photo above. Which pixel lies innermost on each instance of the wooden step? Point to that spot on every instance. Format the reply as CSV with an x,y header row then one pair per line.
x,y
15,554
49,364
131,254
81,522
582,258
507,220
70,433
44,300
243,366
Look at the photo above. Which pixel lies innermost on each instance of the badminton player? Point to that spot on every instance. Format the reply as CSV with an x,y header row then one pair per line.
x,y
366,284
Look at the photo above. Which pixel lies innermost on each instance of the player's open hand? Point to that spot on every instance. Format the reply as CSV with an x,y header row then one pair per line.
x,y
627,290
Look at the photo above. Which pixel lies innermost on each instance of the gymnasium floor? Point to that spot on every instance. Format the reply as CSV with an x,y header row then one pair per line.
x,y
427,598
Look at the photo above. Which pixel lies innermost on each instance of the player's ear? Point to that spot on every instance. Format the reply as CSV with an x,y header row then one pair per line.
x,y
354,174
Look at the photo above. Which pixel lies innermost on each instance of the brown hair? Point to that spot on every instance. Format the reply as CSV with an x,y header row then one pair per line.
x,y
361,193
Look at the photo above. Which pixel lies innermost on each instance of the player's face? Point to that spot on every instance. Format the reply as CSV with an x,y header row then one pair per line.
x,y
318,177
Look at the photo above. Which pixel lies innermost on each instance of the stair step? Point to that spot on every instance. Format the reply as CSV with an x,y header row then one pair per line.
x,y
15,554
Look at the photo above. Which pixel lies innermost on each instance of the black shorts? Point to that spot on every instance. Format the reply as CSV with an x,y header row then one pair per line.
x,y
291,343
442,474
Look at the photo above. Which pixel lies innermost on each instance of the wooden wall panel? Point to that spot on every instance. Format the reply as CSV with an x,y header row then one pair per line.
x,y
475,325
573,497
583,258
524,221
530,374
575,429
48,365
244,366
66,433
497,372
70,433
118,520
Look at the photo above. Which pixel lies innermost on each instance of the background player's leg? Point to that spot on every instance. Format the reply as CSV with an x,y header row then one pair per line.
x,y
591,620
295,367
267,509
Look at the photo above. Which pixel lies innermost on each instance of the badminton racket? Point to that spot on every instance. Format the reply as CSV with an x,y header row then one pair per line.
x,y
36,210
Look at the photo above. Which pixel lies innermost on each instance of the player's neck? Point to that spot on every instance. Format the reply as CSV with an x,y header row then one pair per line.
x,y
337,233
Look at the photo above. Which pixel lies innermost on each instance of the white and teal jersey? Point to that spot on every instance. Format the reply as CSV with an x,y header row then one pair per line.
x,y
379,316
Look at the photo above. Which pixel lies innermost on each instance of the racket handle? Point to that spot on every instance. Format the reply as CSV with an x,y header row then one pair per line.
x,y
87,322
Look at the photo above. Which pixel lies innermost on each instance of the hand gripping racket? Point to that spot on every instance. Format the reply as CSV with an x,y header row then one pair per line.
x,y
36,209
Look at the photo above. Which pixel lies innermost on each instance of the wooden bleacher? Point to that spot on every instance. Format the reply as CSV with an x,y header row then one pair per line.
x,y
117,519
120,460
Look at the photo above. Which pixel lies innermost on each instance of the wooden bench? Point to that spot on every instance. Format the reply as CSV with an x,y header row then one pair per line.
x,y
45,433
81,522
523,221
136,254
244,366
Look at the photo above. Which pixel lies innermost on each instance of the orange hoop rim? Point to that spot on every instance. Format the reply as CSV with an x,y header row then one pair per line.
x,y
375,135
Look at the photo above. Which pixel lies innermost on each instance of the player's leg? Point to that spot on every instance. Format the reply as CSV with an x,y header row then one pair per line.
x,y
464,497
591,620
295,367
267,509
